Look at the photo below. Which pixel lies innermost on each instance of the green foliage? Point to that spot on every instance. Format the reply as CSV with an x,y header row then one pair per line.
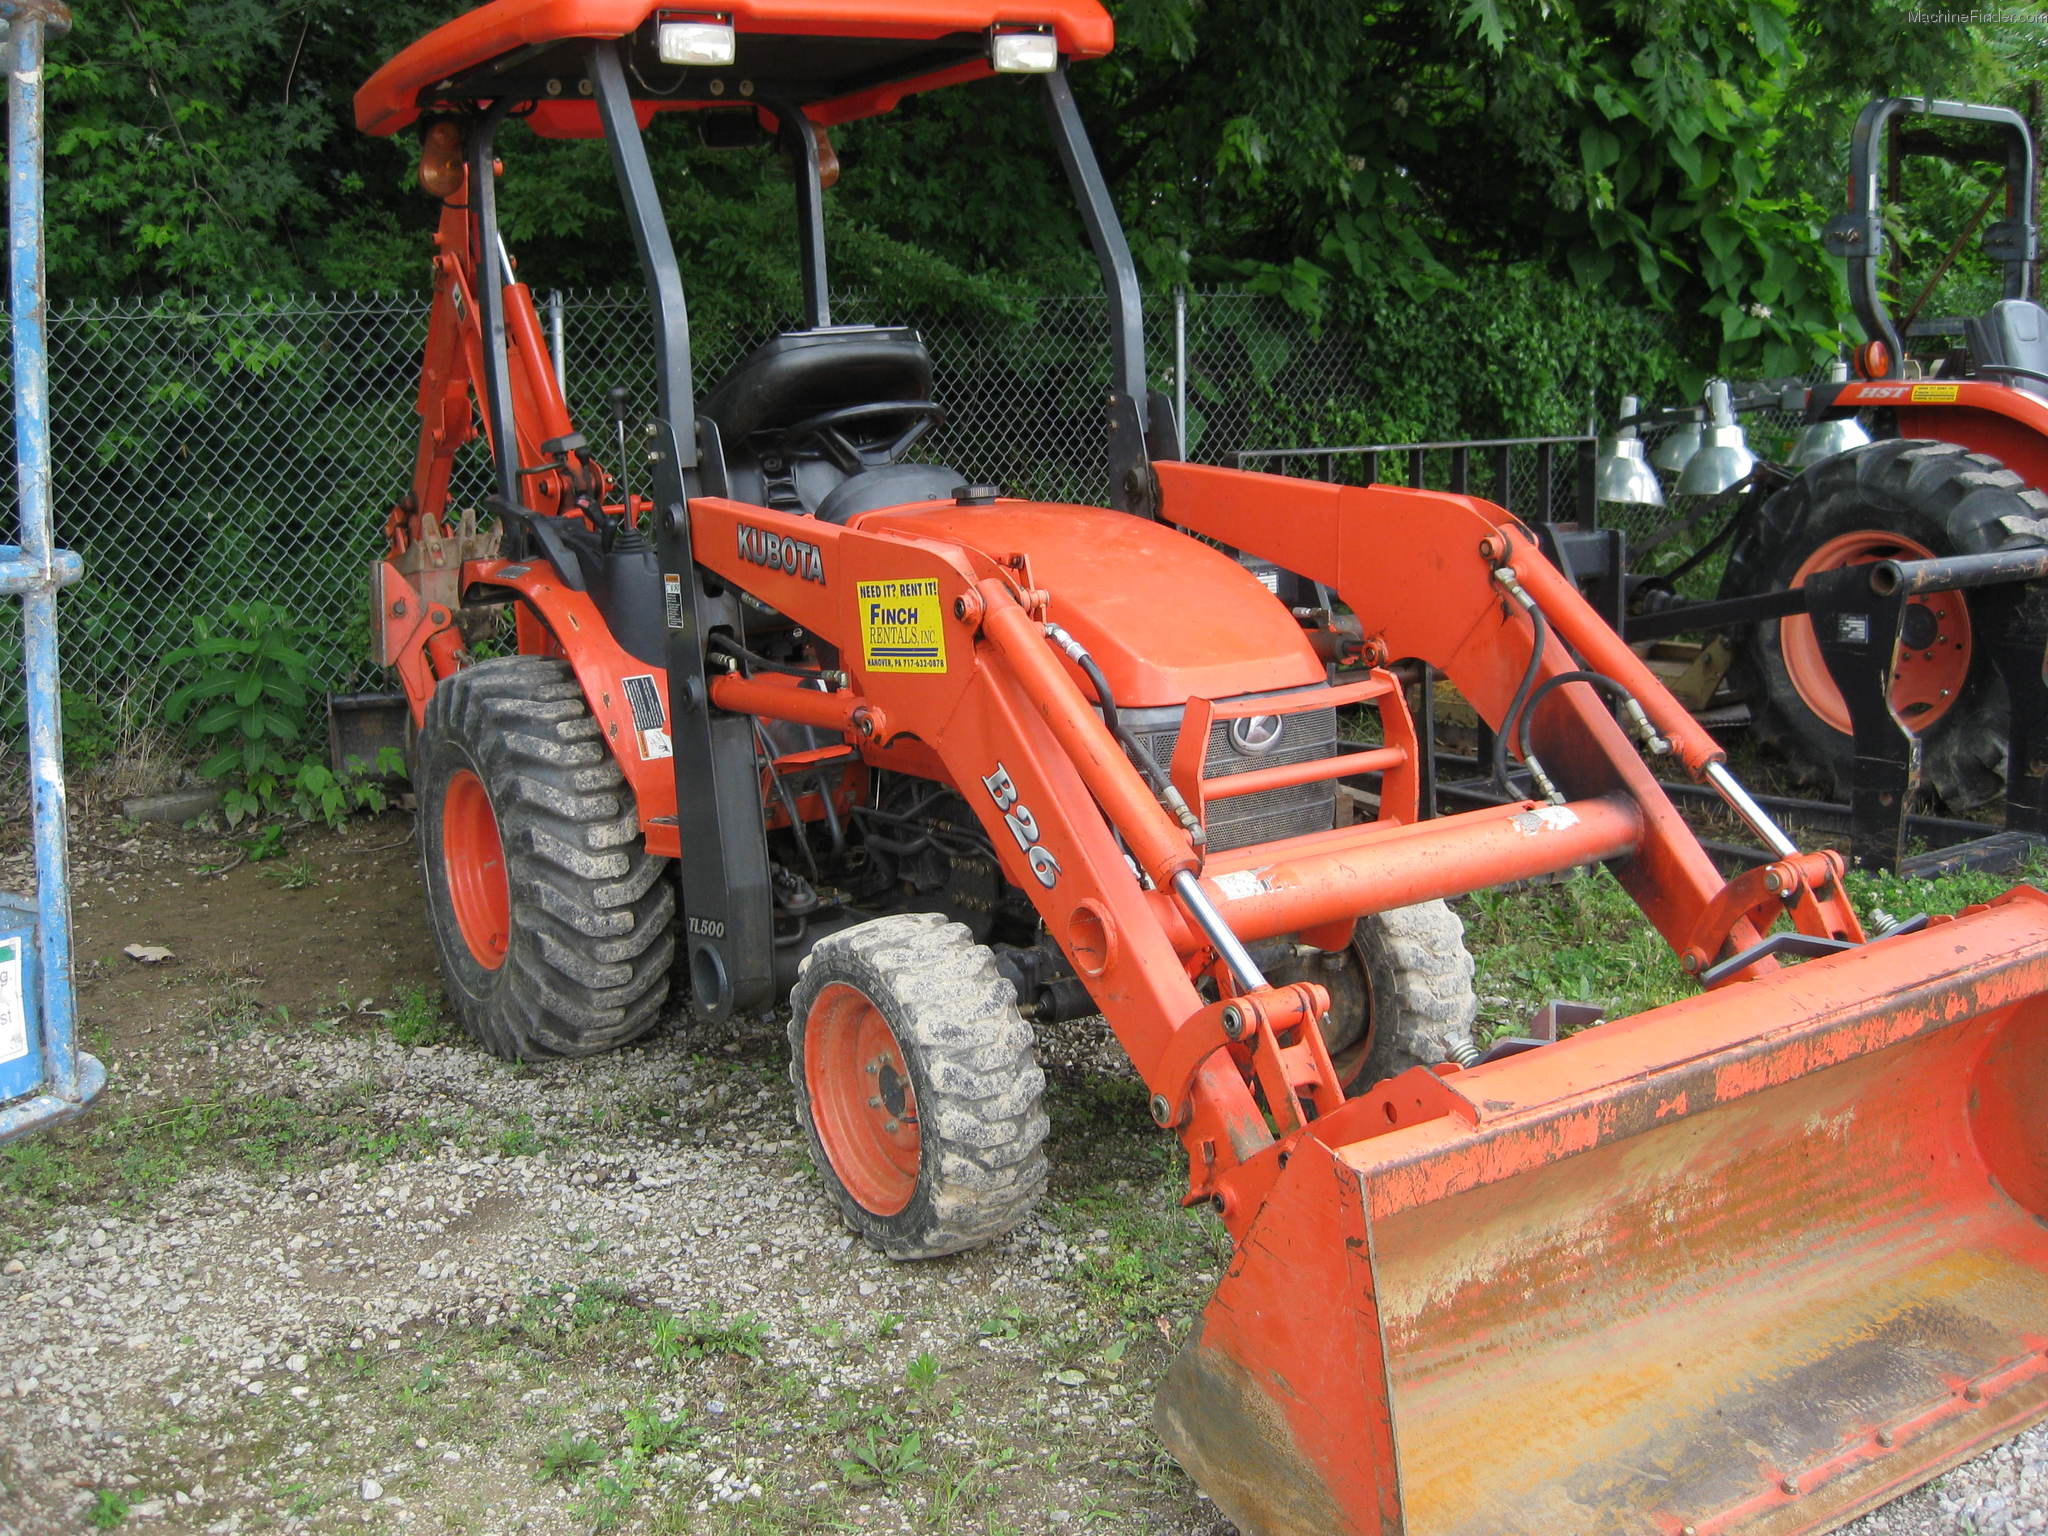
x,y
650,1432
245,705
417,1019
703,1333
1675,157
569,1454
246,702
264,844
91,734
109,1510
879,1458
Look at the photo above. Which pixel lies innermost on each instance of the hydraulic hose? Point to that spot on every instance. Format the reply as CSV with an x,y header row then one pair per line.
x,y
1540,642
1141,755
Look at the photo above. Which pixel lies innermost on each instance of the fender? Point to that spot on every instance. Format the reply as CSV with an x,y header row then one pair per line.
x,y
628,697
2008,423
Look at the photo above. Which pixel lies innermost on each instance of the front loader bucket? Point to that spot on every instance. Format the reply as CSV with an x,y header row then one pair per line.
x,y
1751,1263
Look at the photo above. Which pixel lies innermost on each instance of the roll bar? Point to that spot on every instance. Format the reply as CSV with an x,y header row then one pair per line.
x,y
1858,235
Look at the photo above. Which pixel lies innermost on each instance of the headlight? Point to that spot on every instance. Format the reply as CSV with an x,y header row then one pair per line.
x,y
1024,53
698,42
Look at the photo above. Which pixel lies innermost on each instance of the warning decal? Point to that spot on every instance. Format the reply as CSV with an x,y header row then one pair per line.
x,y
1943,393
645,698
13,1011
901,627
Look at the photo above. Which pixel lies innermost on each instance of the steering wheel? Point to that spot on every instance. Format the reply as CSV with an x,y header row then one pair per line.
x,y
827,430
2013,368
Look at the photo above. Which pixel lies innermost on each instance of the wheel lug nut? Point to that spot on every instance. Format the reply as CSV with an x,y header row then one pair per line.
x,y
875,1102
893,1126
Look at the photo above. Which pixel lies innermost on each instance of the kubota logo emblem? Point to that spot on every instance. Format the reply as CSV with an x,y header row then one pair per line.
x,y
779,553
1256,734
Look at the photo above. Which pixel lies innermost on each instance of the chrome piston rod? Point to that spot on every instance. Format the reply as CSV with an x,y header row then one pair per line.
x,y
1754,816
1211,922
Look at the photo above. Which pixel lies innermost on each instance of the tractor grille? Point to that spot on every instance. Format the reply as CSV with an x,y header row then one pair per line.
x,y
1261,818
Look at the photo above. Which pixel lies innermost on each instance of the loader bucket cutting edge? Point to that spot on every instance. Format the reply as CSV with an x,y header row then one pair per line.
x,y
1742,1266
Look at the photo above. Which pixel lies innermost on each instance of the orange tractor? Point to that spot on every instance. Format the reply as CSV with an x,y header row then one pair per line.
x,y
797,717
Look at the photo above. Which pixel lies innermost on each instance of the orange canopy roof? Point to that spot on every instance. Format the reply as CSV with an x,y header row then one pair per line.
x,y
839,59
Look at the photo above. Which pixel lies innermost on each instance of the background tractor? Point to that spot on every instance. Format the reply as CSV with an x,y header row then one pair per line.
x,y
1959,466
776,711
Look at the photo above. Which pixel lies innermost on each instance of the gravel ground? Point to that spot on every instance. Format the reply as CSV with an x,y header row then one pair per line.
x,y
314,1265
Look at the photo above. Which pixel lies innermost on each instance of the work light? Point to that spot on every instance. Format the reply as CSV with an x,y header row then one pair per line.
x,y
697,42
1024,53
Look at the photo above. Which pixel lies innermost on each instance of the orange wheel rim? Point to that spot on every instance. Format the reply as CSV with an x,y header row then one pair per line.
x,y
862,1101
1934,647
474,858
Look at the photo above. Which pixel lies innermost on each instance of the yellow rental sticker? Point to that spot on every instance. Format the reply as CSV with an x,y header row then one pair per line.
x,y
1939,393
901,627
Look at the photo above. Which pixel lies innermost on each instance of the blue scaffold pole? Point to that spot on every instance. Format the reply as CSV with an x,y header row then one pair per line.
x,y
35,978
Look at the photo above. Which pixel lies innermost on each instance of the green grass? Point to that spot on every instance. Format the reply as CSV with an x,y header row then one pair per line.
x,y
1584,940
125,1159
417,1019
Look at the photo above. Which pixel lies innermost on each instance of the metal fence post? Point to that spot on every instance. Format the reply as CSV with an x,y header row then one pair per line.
x,y
1180,362
35,570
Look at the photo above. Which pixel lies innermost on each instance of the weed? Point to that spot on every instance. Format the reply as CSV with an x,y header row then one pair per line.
x,y
109,1508
1582,939
569,1454
520,1139
305,1500
874,1459
417,1020
608,1497
298,875
922,1374
888,1325
1009,1323
650,1432
705,1332
428,1380
263,844
1140,1253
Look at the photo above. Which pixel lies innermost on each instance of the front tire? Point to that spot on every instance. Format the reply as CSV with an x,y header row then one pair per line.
x,y
1906,499
1401,994
917,1085
555,927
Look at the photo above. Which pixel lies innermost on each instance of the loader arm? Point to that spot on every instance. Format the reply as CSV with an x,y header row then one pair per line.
x,y
1418,568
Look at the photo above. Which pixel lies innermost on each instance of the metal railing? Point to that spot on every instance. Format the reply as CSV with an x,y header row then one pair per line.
x,y
1546,479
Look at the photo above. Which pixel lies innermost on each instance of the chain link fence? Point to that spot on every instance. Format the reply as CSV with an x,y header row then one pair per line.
x,y
209,454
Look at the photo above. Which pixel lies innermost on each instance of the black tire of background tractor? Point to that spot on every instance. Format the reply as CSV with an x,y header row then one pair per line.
x,y
592,932
1400,993
1943,497
974,1078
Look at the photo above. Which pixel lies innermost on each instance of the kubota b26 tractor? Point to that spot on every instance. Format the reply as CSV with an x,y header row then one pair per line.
x,y
798,717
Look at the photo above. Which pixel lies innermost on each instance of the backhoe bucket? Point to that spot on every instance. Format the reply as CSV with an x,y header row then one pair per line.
x,y
1750,1263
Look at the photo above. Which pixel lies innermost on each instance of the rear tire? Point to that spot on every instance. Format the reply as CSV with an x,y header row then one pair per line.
x,y
1400,994
554,925
1907,498
917,1085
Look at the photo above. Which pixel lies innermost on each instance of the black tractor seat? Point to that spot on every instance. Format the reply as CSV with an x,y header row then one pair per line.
x,y
801,374
818,422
